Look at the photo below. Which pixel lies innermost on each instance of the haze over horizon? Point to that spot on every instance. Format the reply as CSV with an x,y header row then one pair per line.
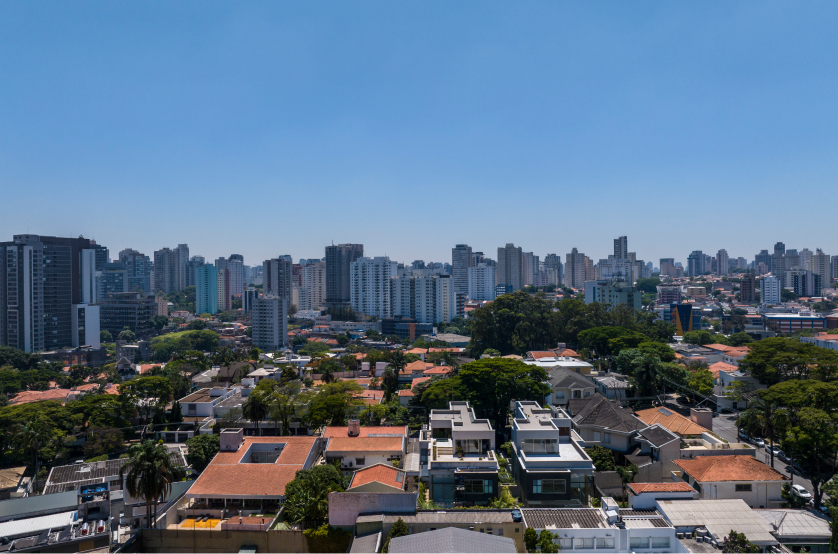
x,y
265,129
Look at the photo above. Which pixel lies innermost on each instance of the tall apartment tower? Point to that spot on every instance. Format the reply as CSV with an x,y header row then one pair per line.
x,y
779,249
313,291
553,261
338,260
181,280
695,263
529,268
621,248
747,288
235,265
206,289
462,258
481,282
194,263
510,267
48,293
139,269
427,299
722,262
769,290
269,317
668,267
164,271
821,265
369,282
276,278
578,268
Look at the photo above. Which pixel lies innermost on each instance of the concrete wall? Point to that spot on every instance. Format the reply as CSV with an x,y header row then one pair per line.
x,y
202,540
763,494
344,507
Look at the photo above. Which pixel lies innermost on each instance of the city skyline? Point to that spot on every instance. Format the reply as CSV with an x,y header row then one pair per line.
x,y
501,127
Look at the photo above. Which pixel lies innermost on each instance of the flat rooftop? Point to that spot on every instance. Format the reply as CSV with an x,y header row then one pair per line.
x,y
70,477
234,401
203,395
719,516
462,417
537,418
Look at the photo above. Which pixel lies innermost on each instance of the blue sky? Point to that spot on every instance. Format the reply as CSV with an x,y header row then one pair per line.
x,y
266,128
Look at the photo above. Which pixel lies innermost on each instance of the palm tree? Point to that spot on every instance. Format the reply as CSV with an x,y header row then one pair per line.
x,y
150,474
33,435
255,409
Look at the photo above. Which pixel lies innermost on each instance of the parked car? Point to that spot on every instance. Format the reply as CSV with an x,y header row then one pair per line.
x,y
758,442
783,456
800,492
776,450
743,435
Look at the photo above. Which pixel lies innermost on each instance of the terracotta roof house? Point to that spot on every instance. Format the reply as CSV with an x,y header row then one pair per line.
x,y
438,370
355,446
378,478
58,395
673,421
721,366
742,477
253,469
642,496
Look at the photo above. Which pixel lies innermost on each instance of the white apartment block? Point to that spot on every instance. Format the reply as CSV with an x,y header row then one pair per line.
x,y
425,299
821,265
236,269
612,267
769,290
481,282
722,262
369,285
270,322
578,269
313,291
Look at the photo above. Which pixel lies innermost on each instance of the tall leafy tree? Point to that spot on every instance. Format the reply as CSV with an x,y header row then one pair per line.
x,y
32,435
149,473
255,409
307,496
146,395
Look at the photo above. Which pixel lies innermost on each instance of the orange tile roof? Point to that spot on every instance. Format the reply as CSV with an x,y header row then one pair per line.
x,y
418,381
567,352
439,370
418,365
721,366
674,421
675,486
378,473
417,351
710,469
444,349
225,476
330,432
87,387
726,348
405,392
36,396
360,355
365,444
145,368
537,355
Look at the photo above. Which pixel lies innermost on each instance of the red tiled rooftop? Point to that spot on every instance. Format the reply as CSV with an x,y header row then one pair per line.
x,y
36,396
439,370
364,431
365,444
711,469
721,366
379,473
418,380
405,392
675,486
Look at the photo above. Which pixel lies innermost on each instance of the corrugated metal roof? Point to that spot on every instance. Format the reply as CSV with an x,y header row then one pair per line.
x,y
34,525
565,518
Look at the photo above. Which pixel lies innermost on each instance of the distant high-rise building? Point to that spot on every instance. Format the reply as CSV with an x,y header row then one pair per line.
x,y
769,290
554,261
48,295
763,257
419,264
235,265
127,309
621,248
277,278
821,266
578,268
695,263
529,268
338,259
113,277
481,282
612,293
510,267
206,289
747,288
270,322
426,299
248,298
181,266
834,264
668,267
164,271
669,294
779,249
461,259
102,255
313,291
722,261
803,283
805,257
369,282
194,263
222,282
139,269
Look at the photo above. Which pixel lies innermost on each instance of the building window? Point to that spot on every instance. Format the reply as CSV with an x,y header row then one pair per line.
x,y
565,544
743,487
553,486
474,485
606,438
605,542
559,395
597,436
660,542
583,543
359,461
639,542
500,532
536,486
540,446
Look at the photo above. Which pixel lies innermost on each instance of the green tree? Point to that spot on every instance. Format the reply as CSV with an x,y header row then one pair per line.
x,y
738,542
307,496
201,450
18,359
127,335
492,383
545,541
698,337
333,403
158,321
389,382
739,339
314,348
530,539
648,285
662,351
701,381
399,529
603,458
777,359
146,394
105,336
255,409
103,440
149,473
197,324
33,435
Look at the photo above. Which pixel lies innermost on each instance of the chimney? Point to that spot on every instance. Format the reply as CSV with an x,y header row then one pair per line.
x,y
354,427
702,416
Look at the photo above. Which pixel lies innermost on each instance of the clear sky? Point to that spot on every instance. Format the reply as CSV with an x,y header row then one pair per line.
x,y
267,128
